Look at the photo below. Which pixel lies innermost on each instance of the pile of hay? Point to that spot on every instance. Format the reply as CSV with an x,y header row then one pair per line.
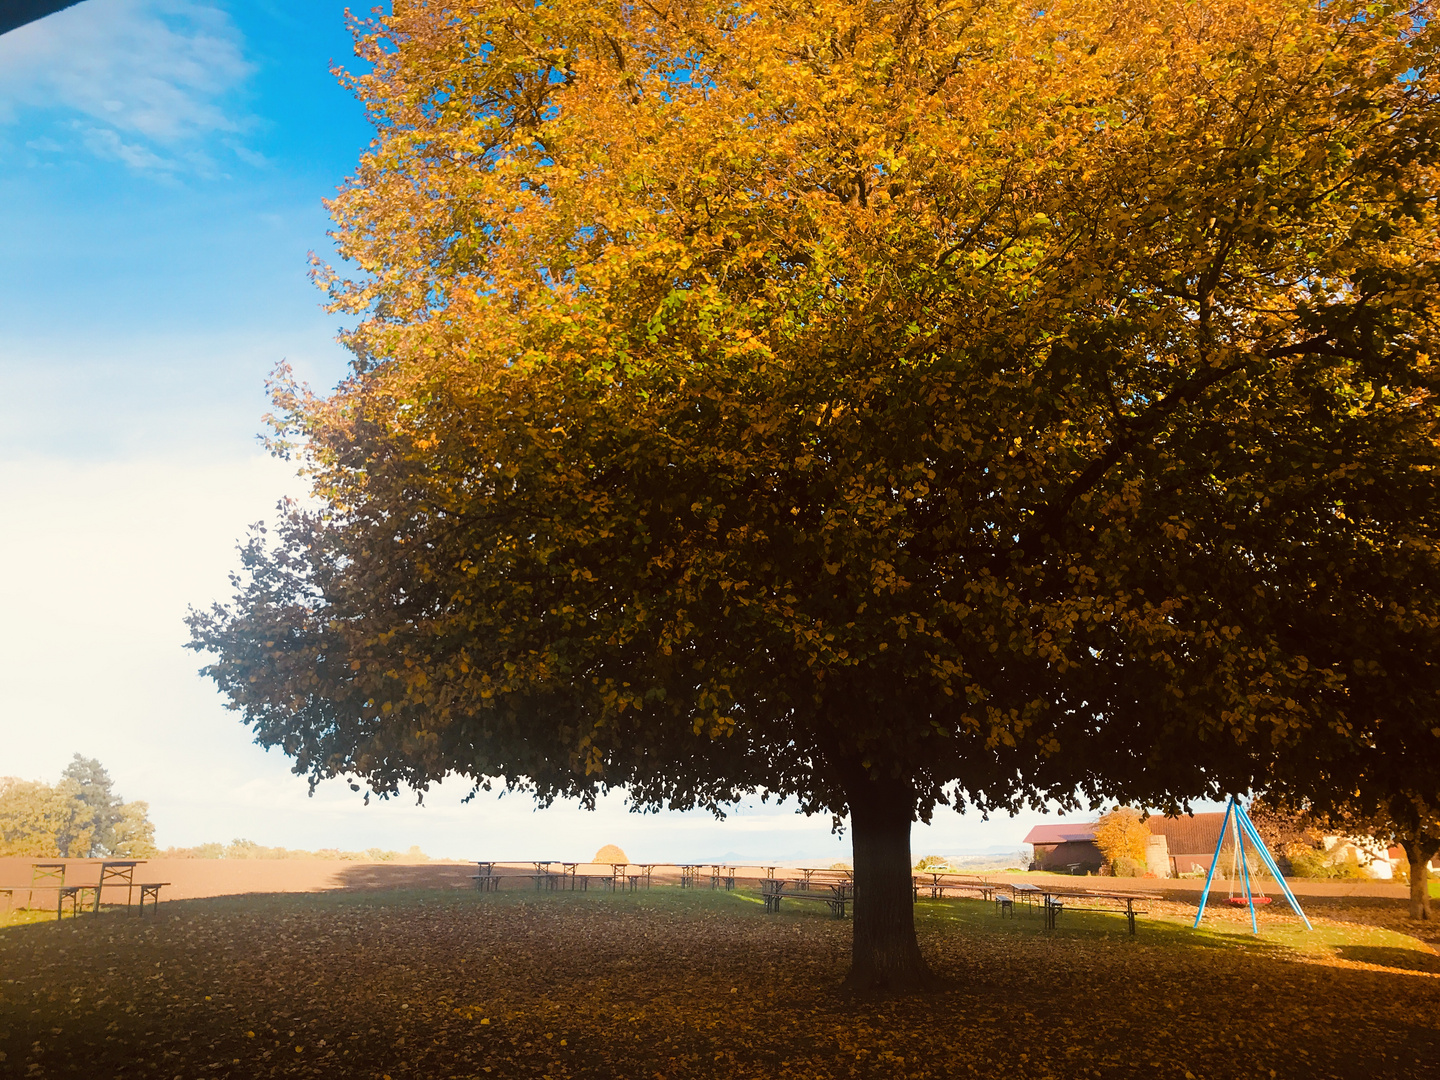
x,y
610,854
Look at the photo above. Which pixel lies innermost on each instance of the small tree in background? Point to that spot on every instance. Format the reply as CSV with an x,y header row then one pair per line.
x,y
134,833
1121,836
32,815
94,809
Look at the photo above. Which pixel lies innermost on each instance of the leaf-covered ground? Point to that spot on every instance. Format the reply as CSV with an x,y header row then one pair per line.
x,y
666,983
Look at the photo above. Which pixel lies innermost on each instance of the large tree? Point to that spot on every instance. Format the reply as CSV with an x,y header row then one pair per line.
x,y
818,398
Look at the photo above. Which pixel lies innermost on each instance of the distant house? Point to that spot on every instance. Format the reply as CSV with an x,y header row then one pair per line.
x,y
1178,845
1066,848
1191,840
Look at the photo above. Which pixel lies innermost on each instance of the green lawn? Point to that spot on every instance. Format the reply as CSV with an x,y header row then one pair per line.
x,y
25,916
1280,930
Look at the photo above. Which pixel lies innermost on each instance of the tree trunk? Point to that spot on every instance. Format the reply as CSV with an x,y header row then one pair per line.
x,y
1420,890
885,954
1419,850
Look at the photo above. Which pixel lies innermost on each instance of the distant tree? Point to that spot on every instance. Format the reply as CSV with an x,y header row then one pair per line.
x,y
1122,834
94,809
32,817
133,836
212,850
79,817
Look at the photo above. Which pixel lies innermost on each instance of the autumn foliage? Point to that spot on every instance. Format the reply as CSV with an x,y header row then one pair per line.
x,y
79,817
876,403
1122,834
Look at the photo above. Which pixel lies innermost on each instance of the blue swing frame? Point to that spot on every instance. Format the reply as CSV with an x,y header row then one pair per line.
x,y
1247,832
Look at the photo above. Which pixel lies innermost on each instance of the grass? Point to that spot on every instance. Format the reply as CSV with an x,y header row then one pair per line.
x,y
25,916
678,983
1278,932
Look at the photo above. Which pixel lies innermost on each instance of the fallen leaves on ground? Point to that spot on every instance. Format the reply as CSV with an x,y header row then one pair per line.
x,y
669,983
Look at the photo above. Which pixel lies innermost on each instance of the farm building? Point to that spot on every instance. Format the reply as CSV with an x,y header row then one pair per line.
x,y
1179,845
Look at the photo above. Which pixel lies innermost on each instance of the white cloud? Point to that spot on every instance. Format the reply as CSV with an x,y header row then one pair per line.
x,y
146,76
107,143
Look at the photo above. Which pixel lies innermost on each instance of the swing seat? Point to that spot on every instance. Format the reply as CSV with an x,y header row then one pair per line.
x,y
1239,901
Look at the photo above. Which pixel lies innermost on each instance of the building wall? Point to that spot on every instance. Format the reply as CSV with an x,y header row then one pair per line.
x,y
1157,856
1083,855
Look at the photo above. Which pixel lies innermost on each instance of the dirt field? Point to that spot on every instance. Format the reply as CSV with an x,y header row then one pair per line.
x,y
193,879
675,983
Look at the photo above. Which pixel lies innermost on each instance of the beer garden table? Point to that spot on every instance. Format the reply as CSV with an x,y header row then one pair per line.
x,y
113,873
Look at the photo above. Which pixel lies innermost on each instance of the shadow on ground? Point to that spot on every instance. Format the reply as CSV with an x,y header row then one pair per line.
x,y
406,876
1402,959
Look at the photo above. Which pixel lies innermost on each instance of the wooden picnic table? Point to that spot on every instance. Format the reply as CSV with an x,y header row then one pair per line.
x,y
966,882
1056,896
42,872
807,875
1019,890
112,873
838,895
488,879
118,872
689,874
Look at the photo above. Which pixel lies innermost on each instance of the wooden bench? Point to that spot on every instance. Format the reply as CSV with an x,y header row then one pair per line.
x,y
552,882
773,891
152,890
76,895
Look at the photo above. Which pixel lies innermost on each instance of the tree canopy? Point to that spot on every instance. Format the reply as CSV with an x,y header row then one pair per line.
x,y
852,400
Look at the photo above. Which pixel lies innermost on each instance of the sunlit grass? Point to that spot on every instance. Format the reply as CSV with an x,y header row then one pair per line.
x,y
1280,929
25,916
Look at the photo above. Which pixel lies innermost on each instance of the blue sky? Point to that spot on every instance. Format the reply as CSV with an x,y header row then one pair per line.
x,y
162,166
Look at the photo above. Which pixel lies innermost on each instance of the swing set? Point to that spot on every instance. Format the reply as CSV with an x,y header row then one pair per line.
x,y
1238,823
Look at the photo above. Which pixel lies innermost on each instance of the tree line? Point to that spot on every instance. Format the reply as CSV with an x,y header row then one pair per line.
x,y
889,404
79,817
